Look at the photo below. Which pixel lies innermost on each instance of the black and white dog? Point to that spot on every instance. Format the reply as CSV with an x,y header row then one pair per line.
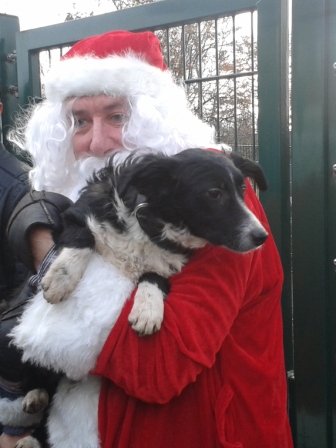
x,y
146,216
134,224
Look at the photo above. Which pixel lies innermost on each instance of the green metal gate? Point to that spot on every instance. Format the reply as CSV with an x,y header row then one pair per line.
x,y
314,220
300,201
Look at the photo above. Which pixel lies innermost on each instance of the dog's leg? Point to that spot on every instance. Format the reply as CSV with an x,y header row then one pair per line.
x,y
64,274
35,401
28,442
146,315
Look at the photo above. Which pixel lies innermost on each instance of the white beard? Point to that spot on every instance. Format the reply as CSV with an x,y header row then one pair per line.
x,y
82,170
79,174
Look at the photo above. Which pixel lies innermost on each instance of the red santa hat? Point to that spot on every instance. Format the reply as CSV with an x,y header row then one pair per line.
x,y
117,63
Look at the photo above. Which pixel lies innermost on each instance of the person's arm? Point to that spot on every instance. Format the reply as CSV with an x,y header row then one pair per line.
x,y
203,303
9,441
40,242
13,186
199,311
31,225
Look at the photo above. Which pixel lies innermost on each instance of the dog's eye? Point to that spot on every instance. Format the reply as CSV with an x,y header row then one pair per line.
x,y
214,193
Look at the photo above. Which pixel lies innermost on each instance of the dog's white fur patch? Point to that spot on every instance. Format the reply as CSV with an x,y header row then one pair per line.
x,y
183,237
11,414
132,252
245,242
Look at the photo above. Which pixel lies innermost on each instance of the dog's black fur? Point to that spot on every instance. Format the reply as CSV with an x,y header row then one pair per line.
x,y
178,204
193,189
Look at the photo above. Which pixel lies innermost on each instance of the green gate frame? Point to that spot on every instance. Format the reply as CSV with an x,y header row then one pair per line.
x,y
9,26
314,220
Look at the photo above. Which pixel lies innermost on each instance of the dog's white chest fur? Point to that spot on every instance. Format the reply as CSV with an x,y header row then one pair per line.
x,y
132,252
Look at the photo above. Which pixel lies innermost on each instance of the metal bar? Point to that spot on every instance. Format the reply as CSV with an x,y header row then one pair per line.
x,y
168,47
331,216
183,51
219,77
234,82
274,148
200,85
9,25
312,178
253,92
218,136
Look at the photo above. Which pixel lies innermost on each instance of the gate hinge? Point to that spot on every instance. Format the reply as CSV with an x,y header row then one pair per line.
x,y
13,90
290,375
11,57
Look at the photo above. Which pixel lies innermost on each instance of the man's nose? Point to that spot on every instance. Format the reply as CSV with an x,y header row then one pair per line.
x,y
99,141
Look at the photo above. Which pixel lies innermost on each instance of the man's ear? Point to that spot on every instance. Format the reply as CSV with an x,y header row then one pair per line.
x,y
250,169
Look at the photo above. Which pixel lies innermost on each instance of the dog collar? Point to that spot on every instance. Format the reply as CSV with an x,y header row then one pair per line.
x,y
139,204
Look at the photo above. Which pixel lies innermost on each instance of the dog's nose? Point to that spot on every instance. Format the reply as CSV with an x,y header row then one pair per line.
x,y
259,236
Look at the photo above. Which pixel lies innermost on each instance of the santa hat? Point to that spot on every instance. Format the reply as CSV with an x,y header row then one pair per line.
x,y
118,63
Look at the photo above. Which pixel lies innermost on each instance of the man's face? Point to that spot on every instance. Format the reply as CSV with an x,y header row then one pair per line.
x,y
98,125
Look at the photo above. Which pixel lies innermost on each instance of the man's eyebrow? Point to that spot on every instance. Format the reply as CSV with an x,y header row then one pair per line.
x,y
107,108
78,111
114,106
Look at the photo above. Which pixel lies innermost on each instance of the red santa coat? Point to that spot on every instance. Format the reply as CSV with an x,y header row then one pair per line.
x,y
214,375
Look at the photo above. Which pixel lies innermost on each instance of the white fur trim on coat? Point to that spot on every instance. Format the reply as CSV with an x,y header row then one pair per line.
x,y
73,415
114,76
69,336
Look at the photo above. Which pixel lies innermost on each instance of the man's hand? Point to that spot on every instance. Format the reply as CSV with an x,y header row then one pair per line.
x,y
7,441
41,242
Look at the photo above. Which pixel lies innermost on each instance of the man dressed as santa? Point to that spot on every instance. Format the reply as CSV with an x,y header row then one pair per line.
x,y
214,375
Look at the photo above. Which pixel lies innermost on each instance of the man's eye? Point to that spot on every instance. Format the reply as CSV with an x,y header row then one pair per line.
x,y
118,119
214,193
79,122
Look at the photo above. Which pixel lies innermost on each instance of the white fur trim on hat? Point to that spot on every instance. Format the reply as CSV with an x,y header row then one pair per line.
x,y
115,76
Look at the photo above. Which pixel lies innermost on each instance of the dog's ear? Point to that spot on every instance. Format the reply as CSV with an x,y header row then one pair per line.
x,y
250,169
148,175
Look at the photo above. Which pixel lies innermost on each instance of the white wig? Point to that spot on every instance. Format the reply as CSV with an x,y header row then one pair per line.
x,y
160,119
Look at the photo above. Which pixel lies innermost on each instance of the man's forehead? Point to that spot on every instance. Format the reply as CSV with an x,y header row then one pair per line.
x,y
101,102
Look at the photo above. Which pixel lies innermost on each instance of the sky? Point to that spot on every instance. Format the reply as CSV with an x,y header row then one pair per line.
x,y
38,13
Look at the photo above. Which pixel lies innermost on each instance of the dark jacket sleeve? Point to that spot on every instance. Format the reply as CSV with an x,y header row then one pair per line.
x,y
36,209
13,186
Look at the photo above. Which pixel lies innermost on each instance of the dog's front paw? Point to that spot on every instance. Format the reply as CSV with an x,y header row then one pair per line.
x,y
64,274
28,442
57,283
146,315
35,401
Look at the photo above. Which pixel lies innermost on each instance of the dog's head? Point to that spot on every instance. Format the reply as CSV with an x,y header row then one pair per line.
x,y
198,191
